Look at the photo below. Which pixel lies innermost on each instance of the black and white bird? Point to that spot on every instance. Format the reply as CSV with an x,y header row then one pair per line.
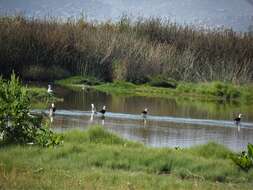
x,y
49,90
144,112
103,110
52,110
238,119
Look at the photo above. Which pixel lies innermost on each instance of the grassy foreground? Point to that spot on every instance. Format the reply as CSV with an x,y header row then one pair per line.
x,y
208,91
97,159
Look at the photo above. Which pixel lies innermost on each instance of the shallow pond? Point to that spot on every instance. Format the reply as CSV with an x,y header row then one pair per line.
x,y
170,122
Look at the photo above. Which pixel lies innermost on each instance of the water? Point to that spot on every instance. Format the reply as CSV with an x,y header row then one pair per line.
x,y
170,123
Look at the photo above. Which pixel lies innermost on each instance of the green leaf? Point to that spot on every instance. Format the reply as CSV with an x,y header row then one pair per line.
x,y
250,151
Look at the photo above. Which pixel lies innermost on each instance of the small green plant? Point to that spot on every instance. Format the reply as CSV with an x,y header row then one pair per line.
x,y
17,125
46,137
245,159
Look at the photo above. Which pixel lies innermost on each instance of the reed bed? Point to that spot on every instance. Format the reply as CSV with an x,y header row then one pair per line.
x,y
134,51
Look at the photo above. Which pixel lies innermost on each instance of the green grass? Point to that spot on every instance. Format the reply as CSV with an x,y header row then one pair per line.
x,y
220,90
206,91
97,159
40,97
78,82
202,91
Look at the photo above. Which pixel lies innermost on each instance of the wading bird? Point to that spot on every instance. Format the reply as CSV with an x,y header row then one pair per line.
x,y
144,112
93,109
49,90
103,110
238,119
52,110
144,115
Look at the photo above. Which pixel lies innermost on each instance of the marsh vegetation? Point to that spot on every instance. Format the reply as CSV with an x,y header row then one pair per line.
x,y
99,159
161,87
163,58
133,51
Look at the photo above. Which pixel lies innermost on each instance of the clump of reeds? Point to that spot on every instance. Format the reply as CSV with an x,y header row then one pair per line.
x,y
131,51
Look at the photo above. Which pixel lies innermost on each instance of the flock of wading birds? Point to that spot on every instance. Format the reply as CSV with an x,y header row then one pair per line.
x,y
144,112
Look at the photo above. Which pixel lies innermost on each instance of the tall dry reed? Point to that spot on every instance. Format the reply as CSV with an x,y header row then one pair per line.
x,y
131,51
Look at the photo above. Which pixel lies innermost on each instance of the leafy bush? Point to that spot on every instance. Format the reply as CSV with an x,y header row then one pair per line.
x,y
245,159
17,125
46,137
224,90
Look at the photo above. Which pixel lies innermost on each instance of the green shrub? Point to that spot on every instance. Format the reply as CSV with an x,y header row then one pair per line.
x,y
46,137
17,125
224,90
245,159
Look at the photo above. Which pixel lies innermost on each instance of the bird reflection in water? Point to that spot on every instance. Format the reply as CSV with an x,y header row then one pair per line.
x,y
103,120
52,111
91,117
144,121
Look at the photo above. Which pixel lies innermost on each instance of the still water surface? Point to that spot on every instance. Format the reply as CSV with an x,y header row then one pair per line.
x,y
171,122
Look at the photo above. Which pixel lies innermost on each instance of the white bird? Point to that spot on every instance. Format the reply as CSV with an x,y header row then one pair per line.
x,y
49,90
52,110
93,109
